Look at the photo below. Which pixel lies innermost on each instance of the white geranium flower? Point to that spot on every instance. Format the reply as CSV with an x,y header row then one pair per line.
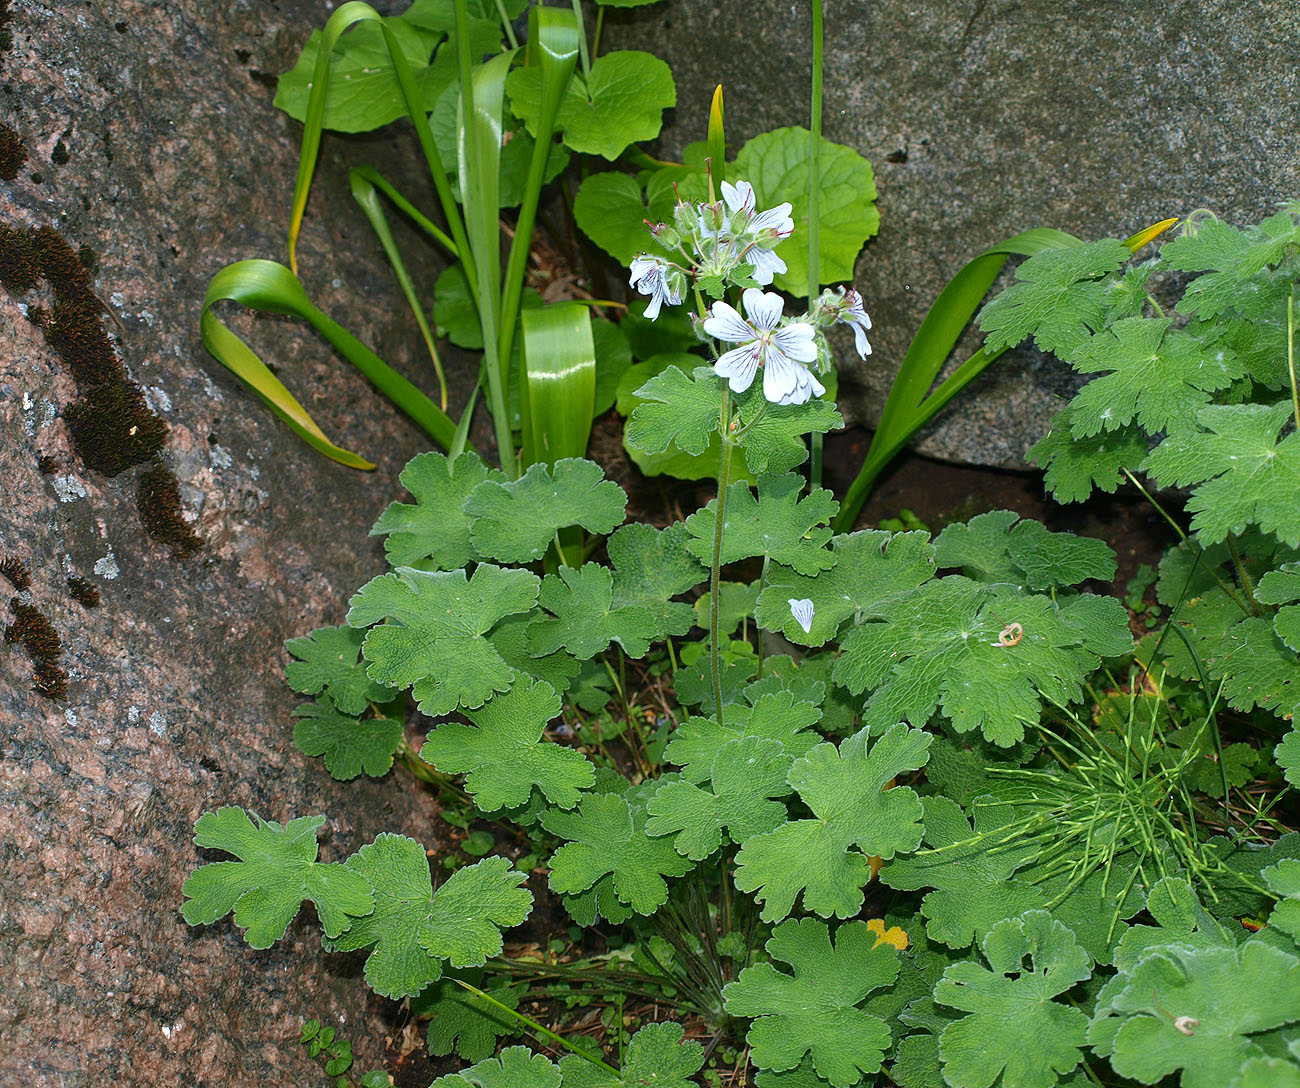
x,y
802,610
650,277
854,313
781,352
760,230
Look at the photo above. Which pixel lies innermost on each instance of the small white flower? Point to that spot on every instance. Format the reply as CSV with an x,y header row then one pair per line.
x,y
802,611
781,352
854,313
649,277
767,227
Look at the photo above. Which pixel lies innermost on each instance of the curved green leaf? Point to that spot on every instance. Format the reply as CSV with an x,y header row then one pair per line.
x,y
271,288
559,387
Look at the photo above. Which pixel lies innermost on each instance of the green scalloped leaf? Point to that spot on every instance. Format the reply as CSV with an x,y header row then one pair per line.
x,y
780,524
349,744
586,620
328,661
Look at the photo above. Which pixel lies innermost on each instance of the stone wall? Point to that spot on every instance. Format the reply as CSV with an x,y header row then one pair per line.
x,y
151,146
984,118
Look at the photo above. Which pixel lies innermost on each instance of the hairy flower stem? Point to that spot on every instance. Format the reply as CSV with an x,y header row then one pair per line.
x,y
814,200
724,478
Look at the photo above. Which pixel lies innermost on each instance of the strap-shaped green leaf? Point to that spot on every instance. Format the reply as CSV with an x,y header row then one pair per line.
x,y
559,389
271,288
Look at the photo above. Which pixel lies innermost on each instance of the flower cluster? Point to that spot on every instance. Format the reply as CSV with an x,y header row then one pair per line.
x,y
731,242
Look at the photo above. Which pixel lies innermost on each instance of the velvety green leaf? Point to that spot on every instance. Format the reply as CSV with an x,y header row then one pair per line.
x,y
987,549
1155,374
613,358
675,410
651,566
276,871
780,524
510,639
606,838
974,884
736,603
435,527
610,211
621,102
1245,475
456,312
949,643
1059,298
1016,1034
504,755
1287,754
1257,668
1076,466
779,716
776,163
515,1067
517,520
413,928
655,1056
814,1009
327,661
775,444
464,1022
1195,1010
433,641
854,817
586,619
870,567
746,774
349,745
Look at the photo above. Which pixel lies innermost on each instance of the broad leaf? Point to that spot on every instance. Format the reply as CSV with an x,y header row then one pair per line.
x,y
516,521
514,1067
814,1009
780,716
987,549
746,774
651,566
1059,298
1076,466
675,410
503,754
609,209
276,871
870,566
433,642
855,816
413,928
349,744
586,619
606,838
463,1021
776,163
435,526
620,102
780,524
327,661
655,1056
1016,1035
775,444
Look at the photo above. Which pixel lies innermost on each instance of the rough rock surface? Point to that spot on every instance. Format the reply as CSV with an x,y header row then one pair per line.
x,y
984,118
151,140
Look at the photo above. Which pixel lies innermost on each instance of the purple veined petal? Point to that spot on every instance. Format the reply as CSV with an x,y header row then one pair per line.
x,y
796,341
780,378
652,307
738,196
764,309
803,611
860,340
739,365
777,219
767,264
726,324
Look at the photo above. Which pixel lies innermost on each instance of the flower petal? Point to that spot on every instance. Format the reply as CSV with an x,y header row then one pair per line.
x,y
738,196
767,264
777,219
780,378
726,324
738,366
802,610
796,340
764,309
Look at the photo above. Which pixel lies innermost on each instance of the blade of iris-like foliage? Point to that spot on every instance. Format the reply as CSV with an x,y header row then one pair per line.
x,y
271,288
559,390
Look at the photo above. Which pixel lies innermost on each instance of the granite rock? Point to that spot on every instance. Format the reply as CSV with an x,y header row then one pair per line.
x,y
150,140
984,118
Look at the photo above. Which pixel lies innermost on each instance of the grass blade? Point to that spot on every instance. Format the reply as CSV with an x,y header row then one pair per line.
x,y
270,287
554,37
367,198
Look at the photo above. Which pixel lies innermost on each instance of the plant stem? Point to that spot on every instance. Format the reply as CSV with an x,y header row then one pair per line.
x,y
1290,353
724,479
546,1033
505,23
814,200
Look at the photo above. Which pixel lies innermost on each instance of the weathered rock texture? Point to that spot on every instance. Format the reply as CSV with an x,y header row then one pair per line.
x,y
984,118
151,140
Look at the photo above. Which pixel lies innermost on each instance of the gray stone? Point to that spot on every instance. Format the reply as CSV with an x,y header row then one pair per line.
x,y
984,118
173,163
